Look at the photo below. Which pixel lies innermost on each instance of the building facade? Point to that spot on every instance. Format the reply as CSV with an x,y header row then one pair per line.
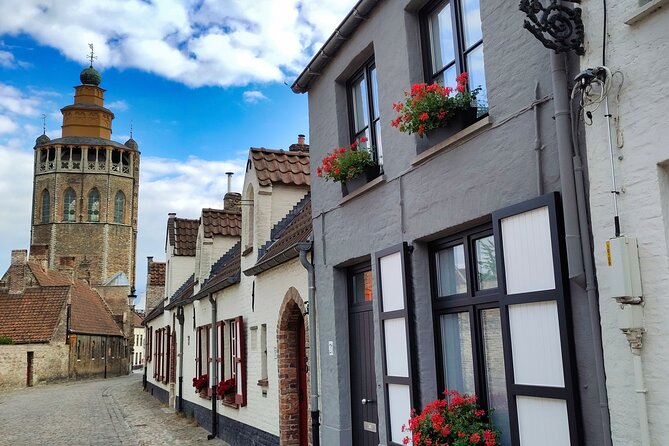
x,y
627,154
238,324
455,265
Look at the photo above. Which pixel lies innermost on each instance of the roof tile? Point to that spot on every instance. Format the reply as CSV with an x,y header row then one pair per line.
x,y
156,274
182,234
221,222
281,166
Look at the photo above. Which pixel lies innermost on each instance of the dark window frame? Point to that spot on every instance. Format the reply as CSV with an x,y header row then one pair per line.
x,y
472,302
364,72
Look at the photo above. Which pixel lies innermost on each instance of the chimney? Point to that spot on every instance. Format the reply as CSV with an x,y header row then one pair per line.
x,y
17,271
229,174
300,146
66,266
40,255
232,202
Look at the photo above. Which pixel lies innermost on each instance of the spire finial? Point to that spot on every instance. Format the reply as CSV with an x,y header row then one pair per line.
x,y
43,123
131,129
91,56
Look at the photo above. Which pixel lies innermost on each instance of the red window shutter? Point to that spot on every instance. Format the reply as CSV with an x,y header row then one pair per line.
x,y
168,357
240,362
198,370
208,335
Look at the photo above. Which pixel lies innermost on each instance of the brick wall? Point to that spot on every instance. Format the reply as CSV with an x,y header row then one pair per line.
x,y
49,364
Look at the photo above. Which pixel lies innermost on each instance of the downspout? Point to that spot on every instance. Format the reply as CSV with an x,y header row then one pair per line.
x,y
303,248
576,222
180,318
213,374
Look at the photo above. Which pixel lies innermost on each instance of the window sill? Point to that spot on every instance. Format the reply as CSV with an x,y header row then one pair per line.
x,y
371,185
452,141
645,10
247,251
263,382
229,404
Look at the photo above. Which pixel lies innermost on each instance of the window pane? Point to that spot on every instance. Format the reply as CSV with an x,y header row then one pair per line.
x,y
494,372
447,77
362,287
451,272
471,19
360,105
456,347
94,206
486,268
379,146
477,79
441,38
375,93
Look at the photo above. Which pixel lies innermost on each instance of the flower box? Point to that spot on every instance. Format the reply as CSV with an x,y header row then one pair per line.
x,y
355,183
461,120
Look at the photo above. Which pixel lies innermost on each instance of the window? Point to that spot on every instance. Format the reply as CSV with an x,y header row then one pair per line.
x,y
233,353
202,350
93,350
94,205
46,207
263,351
78,350
468,322
363,97
103,350
119,207
149,345
453,43
69,205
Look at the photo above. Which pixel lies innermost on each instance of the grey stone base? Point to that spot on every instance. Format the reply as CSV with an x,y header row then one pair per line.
x,y
161,394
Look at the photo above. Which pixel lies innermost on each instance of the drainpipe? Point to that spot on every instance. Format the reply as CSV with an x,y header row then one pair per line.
x,y
180,318
303,248
576,222
565,154
212,376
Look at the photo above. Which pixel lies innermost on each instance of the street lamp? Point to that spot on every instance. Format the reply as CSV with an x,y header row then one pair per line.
x,y
131,298
131,306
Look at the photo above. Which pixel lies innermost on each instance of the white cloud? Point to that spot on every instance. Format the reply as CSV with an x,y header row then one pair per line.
x,y
117,106
253,96
7,125
205,42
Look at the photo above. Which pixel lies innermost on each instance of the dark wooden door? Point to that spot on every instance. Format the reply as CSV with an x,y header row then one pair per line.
x,y
303,416
364,414
29,370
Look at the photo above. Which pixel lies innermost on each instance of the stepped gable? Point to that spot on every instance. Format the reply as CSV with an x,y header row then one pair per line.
x,y
296,227
89,314
182,235
185,291
228,267
157,274
33,315
281,167
221,222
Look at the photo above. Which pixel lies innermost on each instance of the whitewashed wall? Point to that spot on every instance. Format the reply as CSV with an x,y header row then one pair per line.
x,y
640,52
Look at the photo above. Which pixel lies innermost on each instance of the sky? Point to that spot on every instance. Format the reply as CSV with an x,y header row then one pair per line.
x,y
198,81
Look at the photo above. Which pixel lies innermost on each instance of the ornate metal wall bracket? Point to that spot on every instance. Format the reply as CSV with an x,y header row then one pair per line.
x,y
557,26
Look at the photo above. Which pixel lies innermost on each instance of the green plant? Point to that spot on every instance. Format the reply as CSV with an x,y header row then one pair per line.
x,y
427,107
6,340
343,163
455,421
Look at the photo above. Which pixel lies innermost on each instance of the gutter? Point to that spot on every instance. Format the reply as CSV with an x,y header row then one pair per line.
x,y
287,254
180,318
303,248
341,34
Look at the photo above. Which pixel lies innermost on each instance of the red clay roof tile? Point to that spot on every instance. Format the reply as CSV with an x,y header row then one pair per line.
x,y
221,222
281,166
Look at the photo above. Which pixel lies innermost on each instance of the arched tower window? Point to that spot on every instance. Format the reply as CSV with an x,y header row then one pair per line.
x,y
94,205
69,205
119,207
46,207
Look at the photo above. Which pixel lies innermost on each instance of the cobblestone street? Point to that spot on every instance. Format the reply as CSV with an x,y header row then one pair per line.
x,y
100,412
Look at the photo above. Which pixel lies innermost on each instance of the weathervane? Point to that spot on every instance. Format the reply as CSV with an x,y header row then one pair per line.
x,y
130,129
91,56
43,124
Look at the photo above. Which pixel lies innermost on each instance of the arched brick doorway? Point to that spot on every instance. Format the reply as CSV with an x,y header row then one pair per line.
x,y
292,346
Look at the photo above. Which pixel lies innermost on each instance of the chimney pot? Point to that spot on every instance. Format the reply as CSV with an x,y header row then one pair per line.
x,y
300,139
232,202
19,256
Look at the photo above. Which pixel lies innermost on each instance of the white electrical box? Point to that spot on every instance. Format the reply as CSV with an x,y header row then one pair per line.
x,y
624,275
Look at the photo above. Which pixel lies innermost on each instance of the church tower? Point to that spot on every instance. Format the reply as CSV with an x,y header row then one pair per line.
x,y
85,191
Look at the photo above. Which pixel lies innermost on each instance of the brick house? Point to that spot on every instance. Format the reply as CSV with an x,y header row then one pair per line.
x,y
253,295
60,328
456,262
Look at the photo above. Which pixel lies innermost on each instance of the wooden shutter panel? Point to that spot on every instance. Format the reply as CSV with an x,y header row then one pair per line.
x,y
168,343
240,362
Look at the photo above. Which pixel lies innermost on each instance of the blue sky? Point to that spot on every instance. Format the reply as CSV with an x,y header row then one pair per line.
x,y
200,80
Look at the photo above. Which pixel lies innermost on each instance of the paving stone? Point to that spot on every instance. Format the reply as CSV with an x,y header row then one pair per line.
x,y
107,412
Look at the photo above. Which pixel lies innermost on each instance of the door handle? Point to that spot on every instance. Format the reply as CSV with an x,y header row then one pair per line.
x,y
365,401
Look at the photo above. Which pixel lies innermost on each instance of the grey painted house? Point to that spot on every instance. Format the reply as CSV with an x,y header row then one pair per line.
x,y
449,268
